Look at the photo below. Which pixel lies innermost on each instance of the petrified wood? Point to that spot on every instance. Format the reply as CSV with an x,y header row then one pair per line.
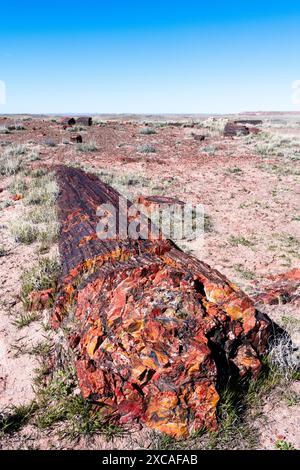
x,y
85,120
280,289
153,329
252,122
68,121
76,138
231,129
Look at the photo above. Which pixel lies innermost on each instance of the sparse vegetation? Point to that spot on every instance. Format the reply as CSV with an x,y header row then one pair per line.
x,y
281,444
24,319
244,272
60,402
4,130
10,161
6,203
16,127
49,142
147,148
18,185
239,240
77,128
87,147
147,131
234,170
12,419
40,276
14,157
43,190
3,251
214,124
23,232
209,149
266,144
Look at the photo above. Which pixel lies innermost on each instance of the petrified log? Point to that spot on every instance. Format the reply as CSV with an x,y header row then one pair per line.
x,y
76,138
281,289
84,120
68,121
254,130
252,122
199,137
153,329
231,129
159,201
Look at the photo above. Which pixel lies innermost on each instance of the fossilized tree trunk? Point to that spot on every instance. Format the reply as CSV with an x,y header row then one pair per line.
x,y
154,328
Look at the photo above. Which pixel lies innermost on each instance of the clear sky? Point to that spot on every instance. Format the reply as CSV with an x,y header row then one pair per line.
x,y
149,57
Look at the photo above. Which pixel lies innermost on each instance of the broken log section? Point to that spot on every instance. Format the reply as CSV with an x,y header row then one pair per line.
x,y
280,289
155,329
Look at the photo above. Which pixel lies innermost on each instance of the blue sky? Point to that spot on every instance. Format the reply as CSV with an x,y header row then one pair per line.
x,y
149,57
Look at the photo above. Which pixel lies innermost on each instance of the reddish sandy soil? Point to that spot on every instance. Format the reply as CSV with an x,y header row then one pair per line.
x,y
252,202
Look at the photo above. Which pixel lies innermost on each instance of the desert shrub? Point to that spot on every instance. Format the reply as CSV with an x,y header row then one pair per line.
x,y
13,418
214,124
6,203
23,232
239,240
266,144
10,166
38,172
234,170
33,156
76,129
43,190
147,131
99,122
42,275
10,160
40,214
284,356
18,185
16,127
4,130
49,142
209,149
87,147
147,148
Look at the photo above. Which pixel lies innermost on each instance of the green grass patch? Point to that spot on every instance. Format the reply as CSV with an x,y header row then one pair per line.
x,y
42,275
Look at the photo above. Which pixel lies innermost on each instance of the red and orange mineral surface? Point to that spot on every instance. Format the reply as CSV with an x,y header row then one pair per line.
x,y
154,329
282,288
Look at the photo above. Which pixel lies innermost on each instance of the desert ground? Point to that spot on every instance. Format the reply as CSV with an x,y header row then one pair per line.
x,y
249,188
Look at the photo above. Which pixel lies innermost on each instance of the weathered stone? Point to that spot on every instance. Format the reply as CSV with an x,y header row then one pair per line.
x,y
231,129
158,201
84,120
38,300
68,121
199,137
254,130
252,122
155,329
16,197
76,138
283,288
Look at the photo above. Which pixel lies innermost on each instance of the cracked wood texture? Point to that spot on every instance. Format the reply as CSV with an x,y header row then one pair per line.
x,y
153,329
